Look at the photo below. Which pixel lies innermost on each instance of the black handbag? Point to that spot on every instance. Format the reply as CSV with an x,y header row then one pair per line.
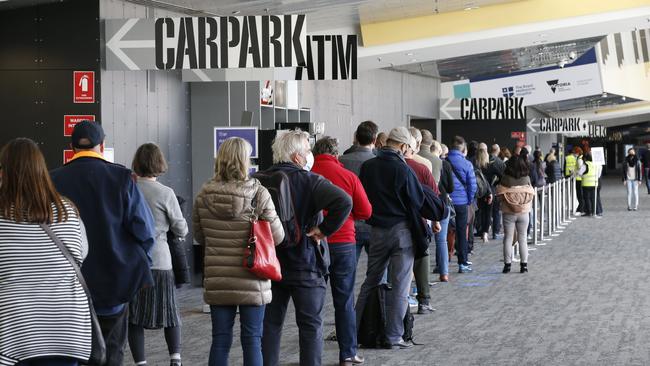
x,y
98,346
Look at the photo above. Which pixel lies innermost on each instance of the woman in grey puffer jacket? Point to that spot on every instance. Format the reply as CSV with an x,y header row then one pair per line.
x,y
222,223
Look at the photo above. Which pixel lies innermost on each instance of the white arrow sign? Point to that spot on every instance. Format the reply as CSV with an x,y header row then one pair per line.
x,y
450,112
531,124
116,44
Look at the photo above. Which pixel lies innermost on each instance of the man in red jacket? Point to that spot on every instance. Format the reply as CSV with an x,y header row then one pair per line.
x,y
343,247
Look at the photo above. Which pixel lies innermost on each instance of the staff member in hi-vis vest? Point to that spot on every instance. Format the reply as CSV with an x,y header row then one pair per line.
x,y
572,164
589,177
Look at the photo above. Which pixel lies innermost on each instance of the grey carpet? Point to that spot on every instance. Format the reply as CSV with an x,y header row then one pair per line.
x,y
585,301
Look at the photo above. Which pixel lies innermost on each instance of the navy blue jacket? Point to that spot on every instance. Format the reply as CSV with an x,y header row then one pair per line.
x,y
464,191
119,226
392,189
311,195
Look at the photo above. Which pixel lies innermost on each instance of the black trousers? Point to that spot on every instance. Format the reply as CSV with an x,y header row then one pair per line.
x,y
589,198
114,329
580,196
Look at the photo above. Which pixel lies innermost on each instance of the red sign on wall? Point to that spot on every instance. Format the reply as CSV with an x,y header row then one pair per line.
x,y
518,135
67,156
84,87
69,121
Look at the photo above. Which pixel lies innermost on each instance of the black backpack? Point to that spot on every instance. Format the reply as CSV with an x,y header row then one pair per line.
x,y
482,185
278,184
371,332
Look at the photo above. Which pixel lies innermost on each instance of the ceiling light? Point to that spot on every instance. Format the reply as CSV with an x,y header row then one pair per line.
x,y
471,8
624,98
409,54
236,12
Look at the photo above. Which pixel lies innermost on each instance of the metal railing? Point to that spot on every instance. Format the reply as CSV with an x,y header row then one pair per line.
x,y
554,207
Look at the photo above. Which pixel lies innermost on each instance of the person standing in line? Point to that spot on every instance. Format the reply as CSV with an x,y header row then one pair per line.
x,y
359,146
632,179
120,232
589,178
393,191
462,198
304,266
45,314
505,154
516,195
417,135
494,172
446,187
421,266
365,136
646,166
222,215
342,246
156,307
427,146
381,140
484,212
553,170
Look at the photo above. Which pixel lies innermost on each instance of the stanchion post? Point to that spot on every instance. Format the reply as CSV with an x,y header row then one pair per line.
x,y
535,205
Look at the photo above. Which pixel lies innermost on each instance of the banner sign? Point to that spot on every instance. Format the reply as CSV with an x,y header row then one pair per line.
x,y
598,155
247,133
492,108
206,42
83,86
562,125
328,57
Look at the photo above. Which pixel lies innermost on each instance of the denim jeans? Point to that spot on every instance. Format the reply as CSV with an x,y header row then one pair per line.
x,y
442,255
461,233
49,362
115,329
251,319
632,193
342,274
392,246
308,300
647,179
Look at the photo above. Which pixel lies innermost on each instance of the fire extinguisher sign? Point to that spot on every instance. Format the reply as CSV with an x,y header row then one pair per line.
x,y
84,87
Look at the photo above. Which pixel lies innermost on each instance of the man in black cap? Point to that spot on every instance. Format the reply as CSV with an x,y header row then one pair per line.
x,y
120,230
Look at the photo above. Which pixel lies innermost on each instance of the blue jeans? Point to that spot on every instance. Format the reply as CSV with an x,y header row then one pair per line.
x,y
251,319
342,274
308,300
647,179
442,253
49,362
461,233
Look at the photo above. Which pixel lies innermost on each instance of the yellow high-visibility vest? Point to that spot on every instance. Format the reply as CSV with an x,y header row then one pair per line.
x,y
570,163
589,178
579,158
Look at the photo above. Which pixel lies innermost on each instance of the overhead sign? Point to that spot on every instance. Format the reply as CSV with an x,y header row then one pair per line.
x,y
83,86
492,108
249,134
592,131
328,57
69,121
206,42
562,125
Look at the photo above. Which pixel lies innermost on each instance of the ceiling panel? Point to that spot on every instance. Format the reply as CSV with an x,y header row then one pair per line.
x,y
586,104
501,62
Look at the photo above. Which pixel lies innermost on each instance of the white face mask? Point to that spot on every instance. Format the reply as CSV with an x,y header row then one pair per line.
x,y
309,161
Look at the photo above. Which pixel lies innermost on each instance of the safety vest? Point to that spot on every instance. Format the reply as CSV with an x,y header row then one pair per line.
x,y
578,159
569,165
589,178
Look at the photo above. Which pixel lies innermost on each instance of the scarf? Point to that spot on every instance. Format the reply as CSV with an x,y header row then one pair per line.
x,y
631,160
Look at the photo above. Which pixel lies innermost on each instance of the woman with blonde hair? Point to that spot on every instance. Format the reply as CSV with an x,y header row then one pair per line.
x,y
484,214
223,212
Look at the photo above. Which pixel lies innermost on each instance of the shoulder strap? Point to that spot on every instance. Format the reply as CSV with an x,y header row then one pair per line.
x,y
67,256
453,168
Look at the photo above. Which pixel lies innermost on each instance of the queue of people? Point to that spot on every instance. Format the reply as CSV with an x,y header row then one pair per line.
x,y
398,196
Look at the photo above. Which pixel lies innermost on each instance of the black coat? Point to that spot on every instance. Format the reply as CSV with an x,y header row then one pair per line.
x,y
179,253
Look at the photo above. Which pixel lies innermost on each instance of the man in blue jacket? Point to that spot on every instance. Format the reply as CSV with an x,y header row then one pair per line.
x,y
462,197
120,231
393,190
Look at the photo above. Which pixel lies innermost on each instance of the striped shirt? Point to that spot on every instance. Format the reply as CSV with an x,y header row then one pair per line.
x,y
43,308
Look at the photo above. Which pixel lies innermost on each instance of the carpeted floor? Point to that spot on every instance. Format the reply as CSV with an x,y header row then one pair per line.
x,y
585,301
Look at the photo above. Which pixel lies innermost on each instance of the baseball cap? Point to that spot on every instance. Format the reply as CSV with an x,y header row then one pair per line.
x,y
402,134
92,131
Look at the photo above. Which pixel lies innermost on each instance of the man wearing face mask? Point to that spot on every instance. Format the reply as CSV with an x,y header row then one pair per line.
x,y
393,190
304,265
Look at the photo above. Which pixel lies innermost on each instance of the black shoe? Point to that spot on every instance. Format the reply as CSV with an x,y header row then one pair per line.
x,y
506,268
425,309
175,363
523,268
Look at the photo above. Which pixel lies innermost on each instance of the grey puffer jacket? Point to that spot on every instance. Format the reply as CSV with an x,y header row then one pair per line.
x,y
221,218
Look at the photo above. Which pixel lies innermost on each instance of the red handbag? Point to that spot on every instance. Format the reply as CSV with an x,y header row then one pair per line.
x,y
259,255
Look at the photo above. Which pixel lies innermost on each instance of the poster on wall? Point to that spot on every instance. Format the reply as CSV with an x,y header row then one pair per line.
x,y
266,94
83,86
70,120
249,134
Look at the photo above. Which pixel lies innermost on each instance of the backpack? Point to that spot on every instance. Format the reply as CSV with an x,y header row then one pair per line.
x,y
371,331
482,185
279,186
